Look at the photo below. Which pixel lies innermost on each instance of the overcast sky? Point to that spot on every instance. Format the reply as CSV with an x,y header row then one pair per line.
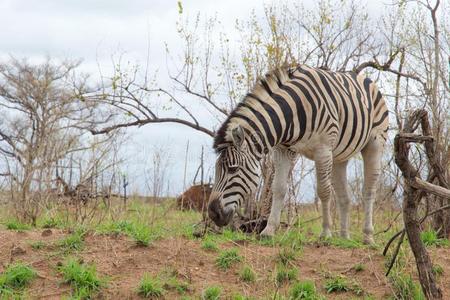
x,y
96,30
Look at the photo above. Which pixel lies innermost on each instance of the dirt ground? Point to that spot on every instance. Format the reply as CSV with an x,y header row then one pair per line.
x,y
124,263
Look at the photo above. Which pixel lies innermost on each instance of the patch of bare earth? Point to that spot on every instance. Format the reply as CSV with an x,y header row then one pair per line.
x,y
124,263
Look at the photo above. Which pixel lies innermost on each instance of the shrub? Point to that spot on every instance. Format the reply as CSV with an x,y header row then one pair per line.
x,y
227,258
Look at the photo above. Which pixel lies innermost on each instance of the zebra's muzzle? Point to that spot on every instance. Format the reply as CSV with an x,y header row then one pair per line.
x,y
218,214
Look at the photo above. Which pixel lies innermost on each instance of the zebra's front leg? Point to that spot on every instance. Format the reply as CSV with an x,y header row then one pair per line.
x,y
372,169
282,165
343,200
324,160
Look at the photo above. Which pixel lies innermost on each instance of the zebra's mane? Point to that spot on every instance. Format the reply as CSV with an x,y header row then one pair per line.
x,y
260,90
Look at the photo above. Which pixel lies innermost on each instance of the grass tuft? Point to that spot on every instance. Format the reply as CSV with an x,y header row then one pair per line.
x,y
285,275
304,290
209,245
337,284
438,270
359,267
227,258
430,238
82,277
286,255
150,287
212,293
16,225
241,297
37,245
405,288
142,235
247,274
72,242
16,276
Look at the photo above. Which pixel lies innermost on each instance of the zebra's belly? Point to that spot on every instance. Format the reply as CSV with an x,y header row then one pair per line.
x,y
310,147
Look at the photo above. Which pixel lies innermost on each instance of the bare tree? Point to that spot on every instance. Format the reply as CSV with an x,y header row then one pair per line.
x,y
41,125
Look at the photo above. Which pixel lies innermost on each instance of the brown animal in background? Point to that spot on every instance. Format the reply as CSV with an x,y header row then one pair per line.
x,y
196,197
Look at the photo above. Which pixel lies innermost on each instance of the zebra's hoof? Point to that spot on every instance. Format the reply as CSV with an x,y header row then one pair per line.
x,y
268,232
345,235
325,234
368,240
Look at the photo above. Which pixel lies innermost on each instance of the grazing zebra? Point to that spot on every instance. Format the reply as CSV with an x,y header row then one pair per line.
x,y
326,116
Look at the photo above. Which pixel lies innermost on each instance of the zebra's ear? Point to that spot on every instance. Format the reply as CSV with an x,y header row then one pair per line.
x,y
238,135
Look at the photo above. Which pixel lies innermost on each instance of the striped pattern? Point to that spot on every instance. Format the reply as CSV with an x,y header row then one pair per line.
x,y
326,116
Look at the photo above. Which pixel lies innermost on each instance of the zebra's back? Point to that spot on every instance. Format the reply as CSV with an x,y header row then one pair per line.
x,y
345,109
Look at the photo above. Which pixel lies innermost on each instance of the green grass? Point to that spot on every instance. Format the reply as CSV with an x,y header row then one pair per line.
x,y
141,233
15,277
438,270
292,238
49,222
359,267
209,245
247,274
72,242
340,283
212,293
227,258
15,224
404,287
430,238
150,287
284,274
37,245
170,281
173,283
304,290
241,297
286,255
82,277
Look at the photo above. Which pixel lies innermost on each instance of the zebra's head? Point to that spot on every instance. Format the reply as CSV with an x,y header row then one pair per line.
x,y
237,176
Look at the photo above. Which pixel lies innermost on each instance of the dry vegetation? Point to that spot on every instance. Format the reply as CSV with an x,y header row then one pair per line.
x,y
149,250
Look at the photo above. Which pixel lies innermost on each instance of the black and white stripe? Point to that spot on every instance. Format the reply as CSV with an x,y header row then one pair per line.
x,y
301,110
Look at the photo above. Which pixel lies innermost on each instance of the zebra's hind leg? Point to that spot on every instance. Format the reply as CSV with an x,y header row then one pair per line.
x,y
324,160
282,163
343,199
372,168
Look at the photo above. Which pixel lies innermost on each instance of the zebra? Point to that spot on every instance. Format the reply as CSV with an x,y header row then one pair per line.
x,y
326,116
